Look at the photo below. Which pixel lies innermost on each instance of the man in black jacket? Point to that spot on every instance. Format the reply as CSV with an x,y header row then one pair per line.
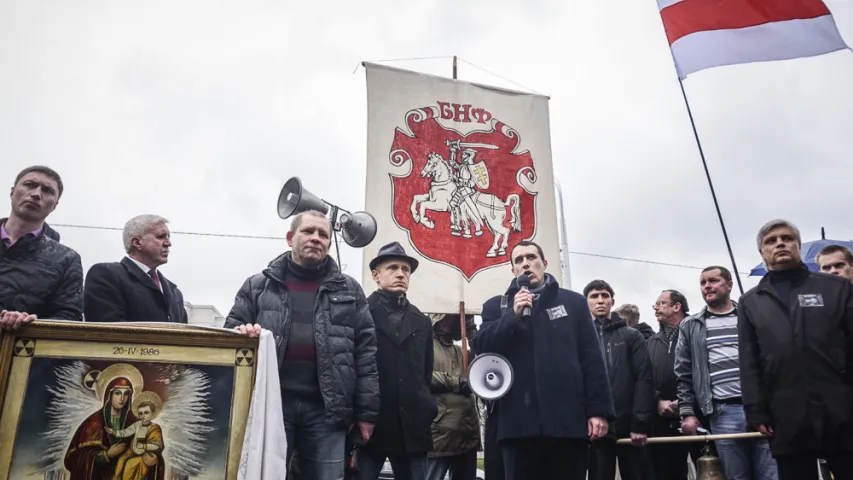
x,y
560,399
795,339
134,289
326,346
631,314
670,459
631,384
39,277
404,357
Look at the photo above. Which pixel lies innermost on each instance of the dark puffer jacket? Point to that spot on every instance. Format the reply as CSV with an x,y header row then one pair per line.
x,y
344,335
39,275
631,379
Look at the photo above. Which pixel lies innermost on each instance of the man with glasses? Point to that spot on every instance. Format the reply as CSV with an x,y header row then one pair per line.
x,y
670,459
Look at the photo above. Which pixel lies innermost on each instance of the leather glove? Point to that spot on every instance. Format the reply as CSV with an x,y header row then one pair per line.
x,y
464,387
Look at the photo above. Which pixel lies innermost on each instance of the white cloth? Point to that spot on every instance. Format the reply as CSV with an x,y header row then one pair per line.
x,y
264,454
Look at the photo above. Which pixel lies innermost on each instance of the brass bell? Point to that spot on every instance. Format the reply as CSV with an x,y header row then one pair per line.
x,y
709,467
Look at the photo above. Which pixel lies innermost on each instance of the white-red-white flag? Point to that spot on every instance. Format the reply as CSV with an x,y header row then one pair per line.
x,y
711,33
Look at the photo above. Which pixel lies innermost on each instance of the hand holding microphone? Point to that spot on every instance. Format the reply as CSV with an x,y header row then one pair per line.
x,y
523,299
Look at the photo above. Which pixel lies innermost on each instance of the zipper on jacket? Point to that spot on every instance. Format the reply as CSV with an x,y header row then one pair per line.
x,y
609,356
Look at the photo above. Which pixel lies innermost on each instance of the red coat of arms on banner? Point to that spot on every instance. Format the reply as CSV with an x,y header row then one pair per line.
x,y
463,198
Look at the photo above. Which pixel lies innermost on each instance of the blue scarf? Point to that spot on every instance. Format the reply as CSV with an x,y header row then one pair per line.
x,y
538,290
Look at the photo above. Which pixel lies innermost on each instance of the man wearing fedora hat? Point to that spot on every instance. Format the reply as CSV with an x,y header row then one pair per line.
x,y
404,357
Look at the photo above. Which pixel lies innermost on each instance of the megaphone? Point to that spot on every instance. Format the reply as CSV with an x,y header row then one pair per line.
x,y
490,376
294,199
358,229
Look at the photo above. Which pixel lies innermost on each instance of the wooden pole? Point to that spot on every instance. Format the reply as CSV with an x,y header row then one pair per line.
x,y
697,438
462,303
464,338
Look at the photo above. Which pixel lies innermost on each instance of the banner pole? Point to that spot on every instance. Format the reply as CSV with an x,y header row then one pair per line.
x,y
462,323
464,337
711,185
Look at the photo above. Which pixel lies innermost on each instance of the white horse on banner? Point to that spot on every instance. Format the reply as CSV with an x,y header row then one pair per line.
x,y
490,208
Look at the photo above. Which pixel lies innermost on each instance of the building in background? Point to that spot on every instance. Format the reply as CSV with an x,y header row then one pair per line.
x,y
204,315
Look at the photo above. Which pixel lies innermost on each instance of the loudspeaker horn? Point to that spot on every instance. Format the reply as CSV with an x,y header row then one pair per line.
x,y
490,376
294,199
358,229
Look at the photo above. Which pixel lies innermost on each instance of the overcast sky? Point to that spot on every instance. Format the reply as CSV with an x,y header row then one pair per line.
x,y
201,110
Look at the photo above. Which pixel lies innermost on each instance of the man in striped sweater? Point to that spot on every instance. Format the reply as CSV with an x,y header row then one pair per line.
x,y
708,370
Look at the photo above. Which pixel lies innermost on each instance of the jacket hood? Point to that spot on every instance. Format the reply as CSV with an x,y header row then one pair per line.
x,y
437,317
645,328
616,322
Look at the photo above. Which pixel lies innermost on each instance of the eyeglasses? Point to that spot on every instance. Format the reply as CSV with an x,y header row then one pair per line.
x,y
660,304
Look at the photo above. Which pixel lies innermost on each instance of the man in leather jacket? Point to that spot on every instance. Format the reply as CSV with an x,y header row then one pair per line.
x,y
707,368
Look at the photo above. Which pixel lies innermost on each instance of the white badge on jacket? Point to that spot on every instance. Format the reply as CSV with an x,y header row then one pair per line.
x,y
557,312
811,300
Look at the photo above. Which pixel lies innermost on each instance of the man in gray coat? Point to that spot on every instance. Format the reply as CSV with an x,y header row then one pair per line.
x,y
326,345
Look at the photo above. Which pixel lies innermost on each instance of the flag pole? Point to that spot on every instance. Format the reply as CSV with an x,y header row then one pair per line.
x,y
711,185
462,322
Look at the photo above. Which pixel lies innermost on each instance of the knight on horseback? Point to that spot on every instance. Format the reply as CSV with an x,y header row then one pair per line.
x,y
463,209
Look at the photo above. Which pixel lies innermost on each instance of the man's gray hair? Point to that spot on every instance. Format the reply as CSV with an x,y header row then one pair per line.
x,y
297,220
137,226
772,224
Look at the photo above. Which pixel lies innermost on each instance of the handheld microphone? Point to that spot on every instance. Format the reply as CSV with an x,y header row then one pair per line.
x,y
524,284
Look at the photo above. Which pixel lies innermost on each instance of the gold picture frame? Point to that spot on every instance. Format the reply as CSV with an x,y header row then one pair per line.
x,y
72,393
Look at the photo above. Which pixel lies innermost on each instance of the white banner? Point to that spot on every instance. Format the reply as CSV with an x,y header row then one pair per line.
x,y
458,173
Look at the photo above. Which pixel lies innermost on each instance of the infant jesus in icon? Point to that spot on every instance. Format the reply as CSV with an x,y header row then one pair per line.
x,y
146,448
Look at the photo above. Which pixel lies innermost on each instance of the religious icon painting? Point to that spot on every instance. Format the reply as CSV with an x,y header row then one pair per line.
x,y
123,401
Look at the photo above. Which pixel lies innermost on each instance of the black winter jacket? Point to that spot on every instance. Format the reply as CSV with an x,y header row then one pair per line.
x,y
796,362
662,356
645,329
405,359
41,276
344,336
630,372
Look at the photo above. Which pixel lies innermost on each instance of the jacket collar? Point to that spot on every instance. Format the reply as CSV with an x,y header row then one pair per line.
x,y
702,314
802,273
383,324
275,269
616,322
550,286
143,277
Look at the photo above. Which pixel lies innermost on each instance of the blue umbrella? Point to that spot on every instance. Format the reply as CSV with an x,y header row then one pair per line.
x,y
810,251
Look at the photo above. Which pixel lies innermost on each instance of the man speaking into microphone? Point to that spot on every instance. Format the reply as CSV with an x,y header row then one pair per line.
x,y
560,397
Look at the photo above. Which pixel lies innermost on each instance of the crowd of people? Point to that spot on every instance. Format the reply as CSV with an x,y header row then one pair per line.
x,y
365,379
